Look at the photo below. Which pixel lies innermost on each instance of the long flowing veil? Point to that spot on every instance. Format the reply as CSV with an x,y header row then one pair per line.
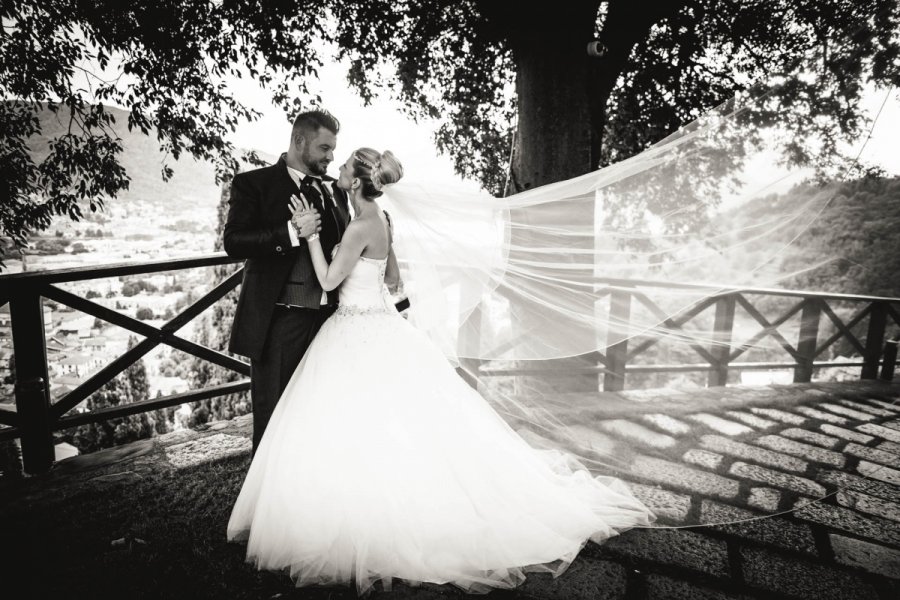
x,y
533,293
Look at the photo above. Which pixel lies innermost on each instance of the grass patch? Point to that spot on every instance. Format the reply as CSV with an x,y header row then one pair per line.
x,y
63,544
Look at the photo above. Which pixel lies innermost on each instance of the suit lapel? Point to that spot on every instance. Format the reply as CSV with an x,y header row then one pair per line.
x,y
287,182
339,203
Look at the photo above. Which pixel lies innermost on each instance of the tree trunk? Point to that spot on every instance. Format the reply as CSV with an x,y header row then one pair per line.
x,y
553,143
562,94
554,120
627,24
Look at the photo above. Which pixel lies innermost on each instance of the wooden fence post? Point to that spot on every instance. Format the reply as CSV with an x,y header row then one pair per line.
x,y
617,352
889,361
721,348
469,343
808,338
874,340
32,380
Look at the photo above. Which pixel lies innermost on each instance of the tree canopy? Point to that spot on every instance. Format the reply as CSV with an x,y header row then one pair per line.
x,y
502,80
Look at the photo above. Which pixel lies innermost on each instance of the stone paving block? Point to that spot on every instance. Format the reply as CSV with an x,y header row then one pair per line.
x,y
873,558
101,483
894,406
801,578
638,433
892,425
814,392
844,519
685,478
665,504
667,423
877,471
847,434
660,587
751,419
719,424
209,447
867,408
795,448
676,547
108,457
820,415
650,395
587,436
535,440
779,415
872,454
764,498
886,433
585,579
755,453
399,591
176,437
869,504
872,487
889,447
850,413
703,458
778,479
811,437
243,420
759,527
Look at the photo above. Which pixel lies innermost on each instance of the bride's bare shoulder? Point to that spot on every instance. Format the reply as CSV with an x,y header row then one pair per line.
x,y
366,226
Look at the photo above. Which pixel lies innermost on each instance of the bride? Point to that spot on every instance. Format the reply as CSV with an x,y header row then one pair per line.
x,y
380,462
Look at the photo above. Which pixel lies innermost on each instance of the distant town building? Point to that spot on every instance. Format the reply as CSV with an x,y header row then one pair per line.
x,y
79,364
6,321
72,322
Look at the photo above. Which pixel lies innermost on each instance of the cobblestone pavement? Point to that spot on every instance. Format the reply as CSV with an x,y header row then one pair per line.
x,y
712,455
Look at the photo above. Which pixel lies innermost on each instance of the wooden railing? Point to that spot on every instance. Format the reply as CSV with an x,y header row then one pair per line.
x,y
36,418
719,357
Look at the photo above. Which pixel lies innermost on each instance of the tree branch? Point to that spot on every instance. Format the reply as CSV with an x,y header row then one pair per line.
x,y
626,24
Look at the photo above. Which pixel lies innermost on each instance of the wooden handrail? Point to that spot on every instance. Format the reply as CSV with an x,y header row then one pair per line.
x,y
220,258
36,417
716,290
114,270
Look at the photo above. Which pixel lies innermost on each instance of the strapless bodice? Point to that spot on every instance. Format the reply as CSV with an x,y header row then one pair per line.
x,y
363,289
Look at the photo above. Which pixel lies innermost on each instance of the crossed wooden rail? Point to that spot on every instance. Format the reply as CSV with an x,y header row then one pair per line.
x,y
36,417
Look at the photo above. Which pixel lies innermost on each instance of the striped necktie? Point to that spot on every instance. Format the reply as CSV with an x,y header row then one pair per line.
x,y
329,204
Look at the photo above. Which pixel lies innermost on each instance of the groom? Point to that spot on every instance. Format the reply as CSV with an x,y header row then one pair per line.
x,y
281,305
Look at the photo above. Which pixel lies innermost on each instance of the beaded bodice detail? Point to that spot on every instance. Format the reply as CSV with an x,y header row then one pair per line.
x,y
362,292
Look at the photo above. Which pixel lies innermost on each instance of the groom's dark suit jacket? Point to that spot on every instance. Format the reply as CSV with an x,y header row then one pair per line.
x,y
256,229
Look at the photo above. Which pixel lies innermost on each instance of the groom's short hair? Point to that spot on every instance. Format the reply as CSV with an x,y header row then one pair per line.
x,y
307,124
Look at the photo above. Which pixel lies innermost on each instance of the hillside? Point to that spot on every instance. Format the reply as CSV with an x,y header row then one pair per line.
x,y
152,219
193,181
858,231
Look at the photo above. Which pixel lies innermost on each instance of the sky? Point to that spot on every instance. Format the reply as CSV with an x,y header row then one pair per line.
x,y
381,126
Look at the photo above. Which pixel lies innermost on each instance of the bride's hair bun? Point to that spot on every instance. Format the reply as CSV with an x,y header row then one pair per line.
x,y
376,170
388,170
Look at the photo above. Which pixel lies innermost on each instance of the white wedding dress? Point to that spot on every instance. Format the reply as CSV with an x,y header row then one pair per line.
x,y
380,462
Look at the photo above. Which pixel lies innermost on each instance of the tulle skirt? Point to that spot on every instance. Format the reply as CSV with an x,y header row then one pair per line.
x,y
381,463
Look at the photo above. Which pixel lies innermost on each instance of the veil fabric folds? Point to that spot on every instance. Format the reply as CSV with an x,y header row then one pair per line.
x,y
539,266
532,284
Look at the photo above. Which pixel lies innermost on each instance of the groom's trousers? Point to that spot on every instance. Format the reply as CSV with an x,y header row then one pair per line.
x,y
290,333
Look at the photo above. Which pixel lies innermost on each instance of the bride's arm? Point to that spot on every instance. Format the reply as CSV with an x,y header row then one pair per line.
x,y
392,271
351,248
